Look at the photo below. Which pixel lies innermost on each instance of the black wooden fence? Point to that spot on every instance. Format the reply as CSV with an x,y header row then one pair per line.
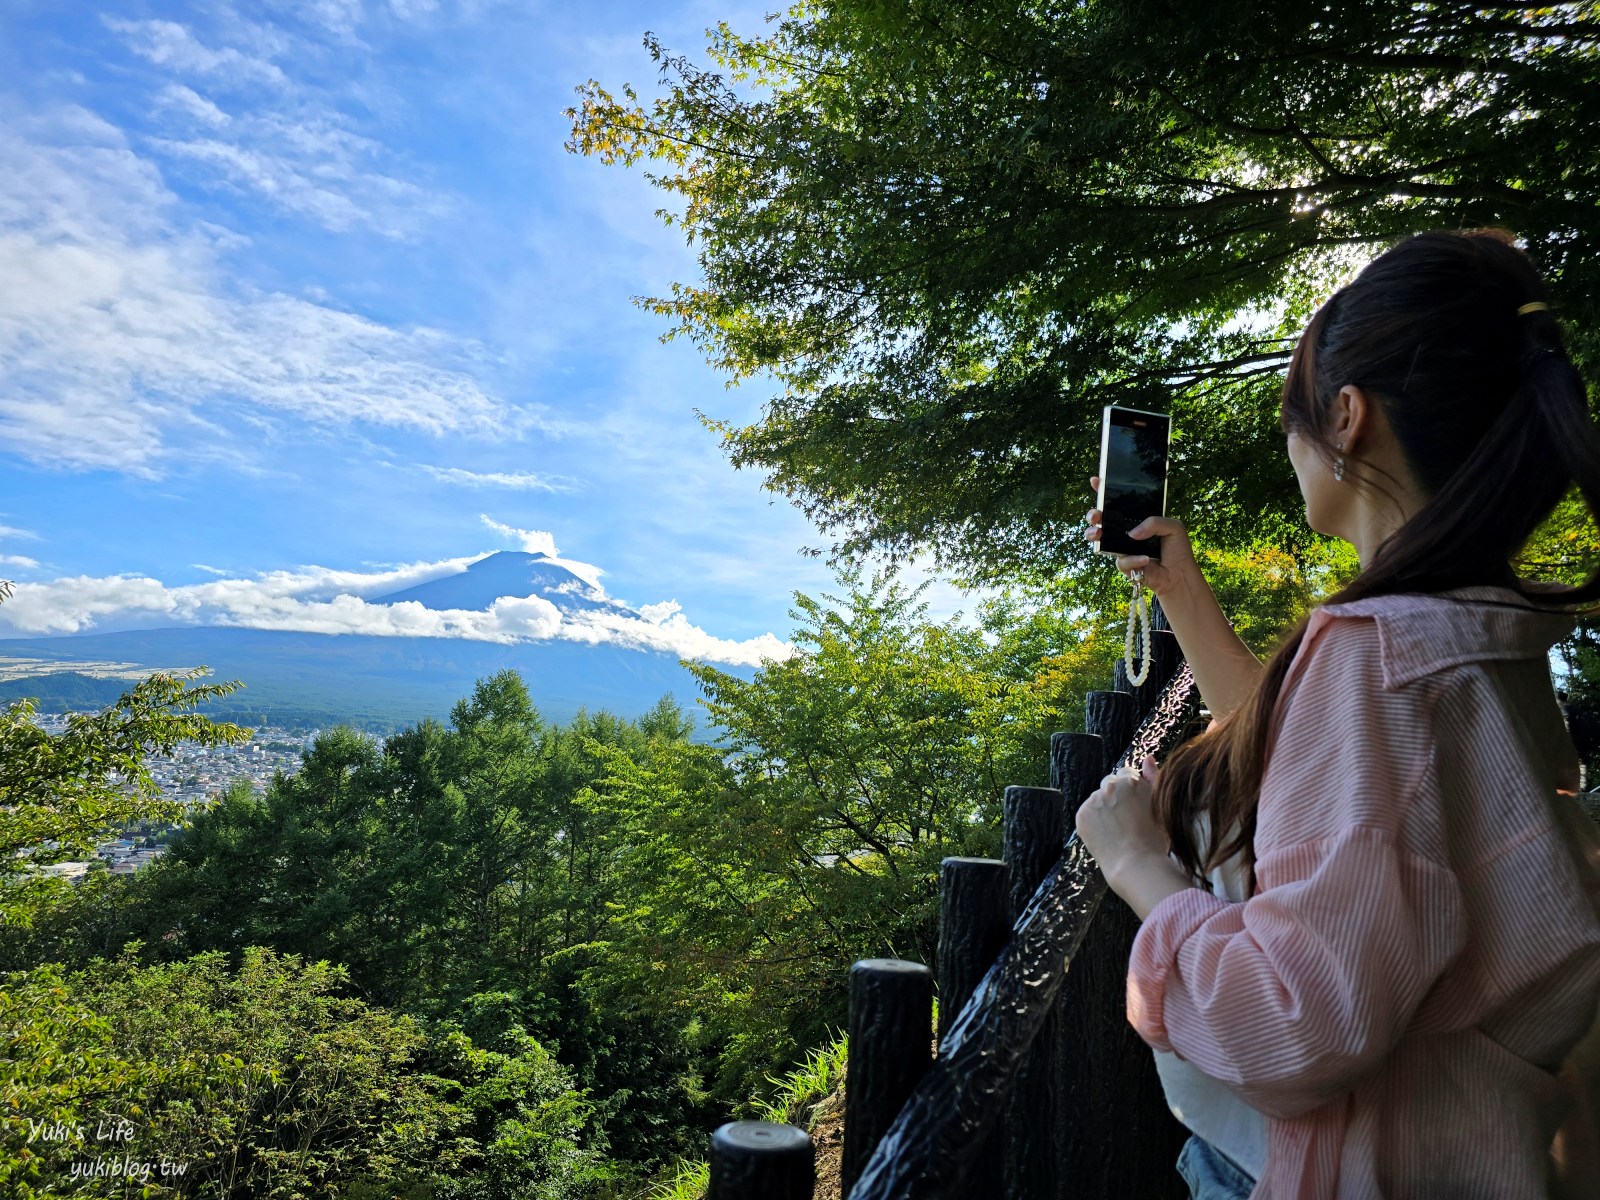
x,y
1040,1088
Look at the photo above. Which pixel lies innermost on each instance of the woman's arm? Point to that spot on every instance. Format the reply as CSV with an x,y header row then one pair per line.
x,y
1146,881
1224,668
1292,995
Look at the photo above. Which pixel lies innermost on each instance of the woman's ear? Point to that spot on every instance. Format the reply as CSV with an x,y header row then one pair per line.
x,y
1352,416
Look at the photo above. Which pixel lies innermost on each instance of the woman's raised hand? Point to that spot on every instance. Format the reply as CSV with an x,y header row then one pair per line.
x,y
1176,563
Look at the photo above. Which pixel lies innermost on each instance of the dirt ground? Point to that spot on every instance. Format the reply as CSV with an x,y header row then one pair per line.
x,y
827,1134
825,1124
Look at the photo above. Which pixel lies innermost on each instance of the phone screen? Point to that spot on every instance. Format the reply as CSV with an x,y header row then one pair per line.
x,y
1133,477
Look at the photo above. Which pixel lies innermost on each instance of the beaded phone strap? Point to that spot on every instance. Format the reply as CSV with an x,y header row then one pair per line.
x,y
1139,610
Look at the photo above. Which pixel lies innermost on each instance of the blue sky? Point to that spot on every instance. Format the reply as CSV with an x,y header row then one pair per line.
x,y
302,299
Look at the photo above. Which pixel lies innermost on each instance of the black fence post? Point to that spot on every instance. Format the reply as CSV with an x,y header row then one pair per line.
x,y
1110,717
760,1160
974,926
1034,823
891,1046
1077,765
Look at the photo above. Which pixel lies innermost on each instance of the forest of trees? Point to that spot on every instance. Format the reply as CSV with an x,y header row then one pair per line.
x,y
501,957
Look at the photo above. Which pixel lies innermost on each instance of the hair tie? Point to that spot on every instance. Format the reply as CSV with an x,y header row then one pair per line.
x,y
1534,306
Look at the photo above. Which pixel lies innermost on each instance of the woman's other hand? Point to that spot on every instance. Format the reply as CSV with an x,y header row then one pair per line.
x,y
1118,825
1176,564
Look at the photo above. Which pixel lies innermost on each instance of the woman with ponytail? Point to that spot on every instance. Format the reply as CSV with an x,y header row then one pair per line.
x,y
1370,949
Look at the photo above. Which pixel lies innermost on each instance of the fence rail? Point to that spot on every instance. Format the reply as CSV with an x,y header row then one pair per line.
x,y
1040,1088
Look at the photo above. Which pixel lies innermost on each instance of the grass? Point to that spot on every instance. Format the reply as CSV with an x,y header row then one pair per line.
x,y
800,1090
692,1182
798,1093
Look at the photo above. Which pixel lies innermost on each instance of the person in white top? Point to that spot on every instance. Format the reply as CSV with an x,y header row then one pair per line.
x,y
1205,1105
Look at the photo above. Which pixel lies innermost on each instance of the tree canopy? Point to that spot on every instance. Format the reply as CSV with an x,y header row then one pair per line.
x,y
60,793
950,231
266,1081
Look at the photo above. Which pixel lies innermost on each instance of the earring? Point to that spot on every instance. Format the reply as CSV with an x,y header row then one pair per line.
x,y
1338,465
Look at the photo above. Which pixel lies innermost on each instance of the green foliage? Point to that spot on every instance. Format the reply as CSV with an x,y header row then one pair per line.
x,y
533,1137
60,793
1566,548
445,861
1264,591
60,1078
952,230
266,1083
443,868
818,1078
804,1095
753,873
639,1064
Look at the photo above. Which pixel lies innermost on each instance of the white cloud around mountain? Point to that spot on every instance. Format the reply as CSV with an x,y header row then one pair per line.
x,y
330,601
538,541
530,541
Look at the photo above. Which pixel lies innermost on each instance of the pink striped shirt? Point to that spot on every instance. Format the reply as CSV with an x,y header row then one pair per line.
x,y
1423,947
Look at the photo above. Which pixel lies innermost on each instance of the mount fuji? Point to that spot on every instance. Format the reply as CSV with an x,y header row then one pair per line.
x,y
380,683
509,573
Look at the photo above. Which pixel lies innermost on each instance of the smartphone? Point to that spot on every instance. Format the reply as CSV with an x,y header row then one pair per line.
x,y
1133,477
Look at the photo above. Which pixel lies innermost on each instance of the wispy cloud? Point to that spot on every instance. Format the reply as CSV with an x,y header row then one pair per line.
x,y
336,16
303,154
116,330
310,165
412,9
168,44
18,560
193,105
498,479
11,531
331,601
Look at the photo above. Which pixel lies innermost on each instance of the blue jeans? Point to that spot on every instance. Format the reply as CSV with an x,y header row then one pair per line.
x,y
1210,1174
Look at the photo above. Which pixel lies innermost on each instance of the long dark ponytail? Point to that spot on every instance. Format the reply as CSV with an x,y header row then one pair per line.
x,y
1493,421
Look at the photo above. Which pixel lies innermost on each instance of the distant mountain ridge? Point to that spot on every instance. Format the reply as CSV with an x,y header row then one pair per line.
x,y
379,682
